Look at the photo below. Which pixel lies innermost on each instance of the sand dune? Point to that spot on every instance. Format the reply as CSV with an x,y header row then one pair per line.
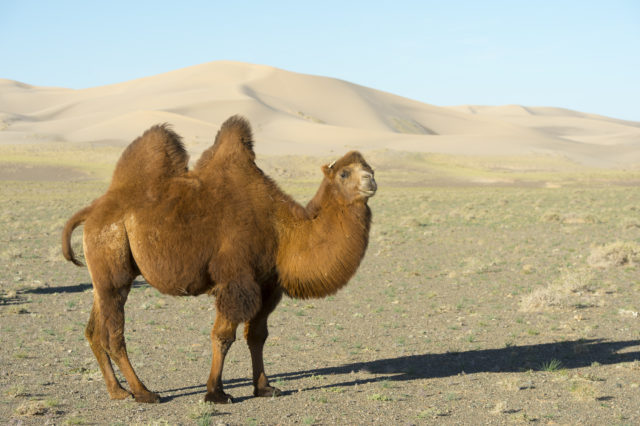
x,y
302,114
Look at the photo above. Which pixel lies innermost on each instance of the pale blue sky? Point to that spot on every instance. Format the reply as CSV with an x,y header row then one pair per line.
x,y
583,55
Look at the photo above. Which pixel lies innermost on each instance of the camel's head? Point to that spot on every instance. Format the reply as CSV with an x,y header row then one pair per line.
x,y
352,177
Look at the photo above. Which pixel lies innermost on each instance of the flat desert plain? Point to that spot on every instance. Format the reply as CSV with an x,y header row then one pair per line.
x,y
500,284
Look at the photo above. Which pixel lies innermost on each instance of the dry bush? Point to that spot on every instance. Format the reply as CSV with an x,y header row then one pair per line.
x,y
615,254
569,219
32,408
567,290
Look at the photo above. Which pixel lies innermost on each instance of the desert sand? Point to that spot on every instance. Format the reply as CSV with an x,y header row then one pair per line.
x,y
297,114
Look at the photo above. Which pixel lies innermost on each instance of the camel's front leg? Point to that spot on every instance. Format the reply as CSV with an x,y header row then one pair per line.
x,y
222,336
256,333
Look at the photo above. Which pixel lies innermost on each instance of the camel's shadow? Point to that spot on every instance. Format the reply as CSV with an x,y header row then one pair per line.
x,y
20,299
78,288
572,354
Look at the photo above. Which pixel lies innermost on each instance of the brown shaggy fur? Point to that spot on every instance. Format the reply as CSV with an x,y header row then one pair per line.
x,y
225,229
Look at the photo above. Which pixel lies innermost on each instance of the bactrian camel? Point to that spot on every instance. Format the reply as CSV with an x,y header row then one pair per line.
x,y
223,228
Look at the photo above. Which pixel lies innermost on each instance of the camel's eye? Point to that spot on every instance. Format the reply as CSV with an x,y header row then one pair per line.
x,y
344,174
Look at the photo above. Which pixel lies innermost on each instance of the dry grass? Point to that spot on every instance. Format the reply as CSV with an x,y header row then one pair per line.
x,y
615,254
569,289
32,408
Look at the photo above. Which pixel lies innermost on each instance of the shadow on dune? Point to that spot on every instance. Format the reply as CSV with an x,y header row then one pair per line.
x,y
572,354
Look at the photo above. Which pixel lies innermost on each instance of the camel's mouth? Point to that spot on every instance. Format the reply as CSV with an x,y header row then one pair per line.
x,y
368,187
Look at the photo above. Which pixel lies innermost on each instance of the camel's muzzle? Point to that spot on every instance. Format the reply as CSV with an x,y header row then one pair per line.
x,y
368,185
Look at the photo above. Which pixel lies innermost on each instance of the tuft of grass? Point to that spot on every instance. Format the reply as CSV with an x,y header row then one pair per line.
x,y
551,366
203,413
379,397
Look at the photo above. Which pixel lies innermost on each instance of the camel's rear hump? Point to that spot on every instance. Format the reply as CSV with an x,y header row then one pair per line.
x,y
156,155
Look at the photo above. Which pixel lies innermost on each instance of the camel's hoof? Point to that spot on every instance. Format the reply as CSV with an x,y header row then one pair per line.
x,y
267,391
120,393
218,398
149,397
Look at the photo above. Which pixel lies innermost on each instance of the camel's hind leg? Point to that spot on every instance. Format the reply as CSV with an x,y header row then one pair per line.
x,y
116,391
256,332
110,265
111,337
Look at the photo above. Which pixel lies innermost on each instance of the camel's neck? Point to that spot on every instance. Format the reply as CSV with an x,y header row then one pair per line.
x,y
318,254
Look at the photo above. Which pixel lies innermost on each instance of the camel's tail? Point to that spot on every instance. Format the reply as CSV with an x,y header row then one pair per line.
x,y
72,224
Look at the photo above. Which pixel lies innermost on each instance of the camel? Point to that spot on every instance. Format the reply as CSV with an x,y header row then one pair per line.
x,y
223,228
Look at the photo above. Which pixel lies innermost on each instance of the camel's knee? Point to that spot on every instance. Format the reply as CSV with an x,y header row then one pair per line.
x,y
223,341
113,341
100,338
223,338
93,332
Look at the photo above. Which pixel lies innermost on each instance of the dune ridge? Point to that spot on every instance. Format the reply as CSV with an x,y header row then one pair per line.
x,y
298,114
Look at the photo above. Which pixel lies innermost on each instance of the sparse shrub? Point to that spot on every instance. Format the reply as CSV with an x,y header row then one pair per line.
x,y
564,291
615,254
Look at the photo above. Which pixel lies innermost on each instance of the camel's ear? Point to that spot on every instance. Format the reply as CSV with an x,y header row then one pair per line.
x,y
328,169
